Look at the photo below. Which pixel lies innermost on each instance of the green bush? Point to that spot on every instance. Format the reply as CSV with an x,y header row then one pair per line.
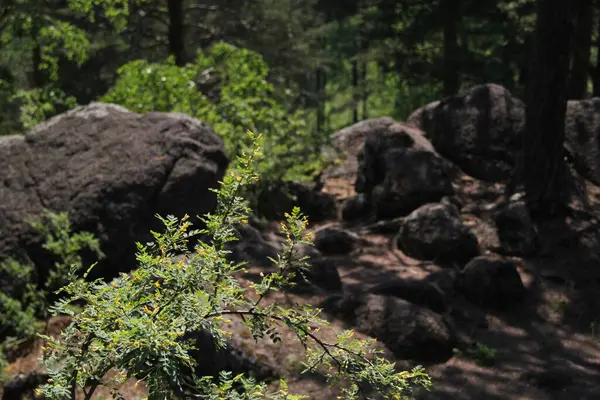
x,y
25,304
138,325
227,88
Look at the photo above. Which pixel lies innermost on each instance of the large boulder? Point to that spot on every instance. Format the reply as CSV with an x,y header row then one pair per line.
x,y
279,198
400,171
112,170
408,330
516,232
418,292
478,129
349,142
582,136
436,232
492,282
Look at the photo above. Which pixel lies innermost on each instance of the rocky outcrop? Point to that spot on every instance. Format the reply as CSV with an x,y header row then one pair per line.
x,y
349,142
400,171
279,198
582,136
408,330
436,232
112,170
478,129
335,241
492,282
418,292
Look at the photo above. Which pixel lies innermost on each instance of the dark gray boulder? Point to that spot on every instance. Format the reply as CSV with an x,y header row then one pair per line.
x,y
348,143
418,292
515,229
582,136
492,282
399,171
478,129
335,241
408,330
321,271
436,232
112,170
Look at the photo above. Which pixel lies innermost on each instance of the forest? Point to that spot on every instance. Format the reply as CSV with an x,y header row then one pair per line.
x,y
501,100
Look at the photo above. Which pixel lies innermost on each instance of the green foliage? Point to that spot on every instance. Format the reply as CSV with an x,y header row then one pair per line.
x,y
227,88
483,355
142,324
25,300
39,104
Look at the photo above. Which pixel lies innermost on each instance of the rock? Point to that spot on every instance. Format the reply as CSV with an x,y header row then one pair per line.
x,y
23,386
422,117
408,330
435,232
349,143
356,208
335,241
492,282
321,272
478,129
412,178
280,198
582,136
417,292
399,171
515,229
372,159
112,170
252,247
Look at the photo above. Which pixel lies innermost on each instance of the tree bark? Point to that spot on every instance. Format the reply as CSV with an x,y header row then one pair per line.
x,y
365,90
177,31
355,96
596,70
451,66
38,78
541,168
582,44
320,86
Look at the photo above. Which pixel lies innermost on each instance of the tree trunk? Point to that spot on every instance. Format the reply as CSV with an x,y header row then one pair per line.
x,y
451,49
541,168
365,91
355,96
176,31
582,44
320,86
38,78
596,71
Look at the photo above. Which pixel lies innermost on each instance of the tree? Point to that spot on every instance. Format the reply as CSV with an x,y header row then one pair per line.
x,y
541,167
581,49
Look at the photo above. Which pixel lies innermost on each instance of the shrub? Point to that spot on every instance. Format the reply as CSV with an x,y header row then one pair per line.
x,y
138,325
227,88
24,303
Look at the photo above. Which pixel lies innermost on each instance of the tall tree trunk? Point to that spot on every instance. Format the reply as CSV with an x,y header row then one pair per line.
x,y
176,31
320,89
582,44
541,168
38,78
365,90
596,70
355,96
451,48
